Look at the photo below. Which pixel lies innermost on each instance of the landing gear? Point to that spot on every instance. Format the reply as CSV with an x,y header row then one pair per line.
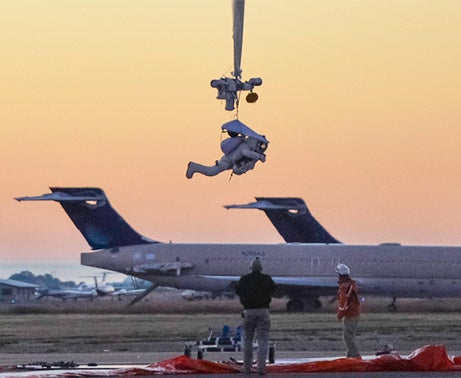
x,y
307,304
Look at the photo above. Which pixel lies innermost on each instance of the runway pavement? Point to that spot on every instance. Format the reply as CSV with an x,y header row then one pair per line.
x,y
114,360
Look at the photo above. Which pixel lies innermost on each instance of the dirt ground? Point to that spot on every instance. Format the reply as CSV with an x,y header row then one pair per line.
x,y
109,331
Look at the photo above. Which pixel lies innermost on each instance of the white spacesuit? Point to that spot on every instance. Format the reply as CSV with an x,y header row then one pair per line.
x,y
240,154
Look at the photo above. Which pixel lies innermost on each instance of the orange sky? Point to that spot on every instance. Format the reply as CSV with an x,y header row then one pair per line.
x,y
360,101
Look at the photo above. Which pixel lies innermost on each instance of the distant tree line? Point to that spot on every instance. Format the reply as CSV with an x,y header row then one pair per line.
x,y
46,280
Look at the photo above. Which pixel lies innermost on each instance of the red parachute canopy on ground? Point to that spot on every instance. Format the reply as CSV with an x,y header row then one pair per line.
x,y
430,358
427,358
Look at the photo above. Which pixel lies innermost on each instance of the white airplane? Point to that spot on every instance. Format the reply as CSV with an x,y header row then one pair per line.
x,y
101,288
132,291
303,271
64,294
83,290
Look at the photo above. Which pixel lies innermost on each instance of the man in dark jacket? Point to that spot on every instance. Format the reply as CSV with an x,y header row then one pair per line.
x,y
255,291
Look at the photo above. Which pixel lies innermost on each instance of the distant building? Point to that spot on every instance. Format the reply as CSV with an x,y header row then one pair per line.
x,y
12,291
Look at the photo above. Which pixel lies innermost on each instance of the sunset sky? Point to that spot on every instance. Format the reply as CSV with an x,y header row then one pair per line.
x,y
361,103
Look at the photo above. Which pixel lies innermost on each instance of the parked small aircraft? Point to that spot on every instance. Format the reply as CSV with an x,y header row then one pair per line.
x,y
303,271
132,290
84,290
102,288
64,294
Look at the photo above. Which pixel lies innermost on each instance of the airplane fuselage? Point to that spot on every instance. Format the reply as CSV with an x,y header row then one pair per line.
x,y
302,269
382,270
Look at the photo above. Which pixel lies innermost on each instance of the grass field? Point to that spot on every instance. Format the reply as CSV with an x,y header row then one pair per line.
x,y
165,326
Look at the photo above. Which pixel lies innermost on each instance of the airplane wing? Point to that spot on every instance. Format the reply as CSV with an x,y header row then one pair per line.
x,y
292,219
123,292
316,286
307,282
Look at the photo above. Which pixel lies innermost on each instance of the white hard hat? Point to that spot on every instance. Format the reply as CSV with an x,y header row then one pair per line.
x,y
343,270
256,265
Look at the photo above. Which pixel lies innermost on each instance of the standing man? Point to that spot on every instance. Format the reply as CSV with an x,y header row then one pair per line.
x,y
255,290
348,308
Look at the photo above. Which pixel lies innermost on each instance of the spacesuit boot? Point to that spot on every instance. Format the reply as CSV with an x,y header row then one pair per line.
x,y
191,169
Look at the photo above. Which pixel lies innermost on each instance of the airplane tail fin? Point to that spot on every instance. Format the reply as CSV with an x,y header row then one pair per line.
x,y
90,211
291,218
